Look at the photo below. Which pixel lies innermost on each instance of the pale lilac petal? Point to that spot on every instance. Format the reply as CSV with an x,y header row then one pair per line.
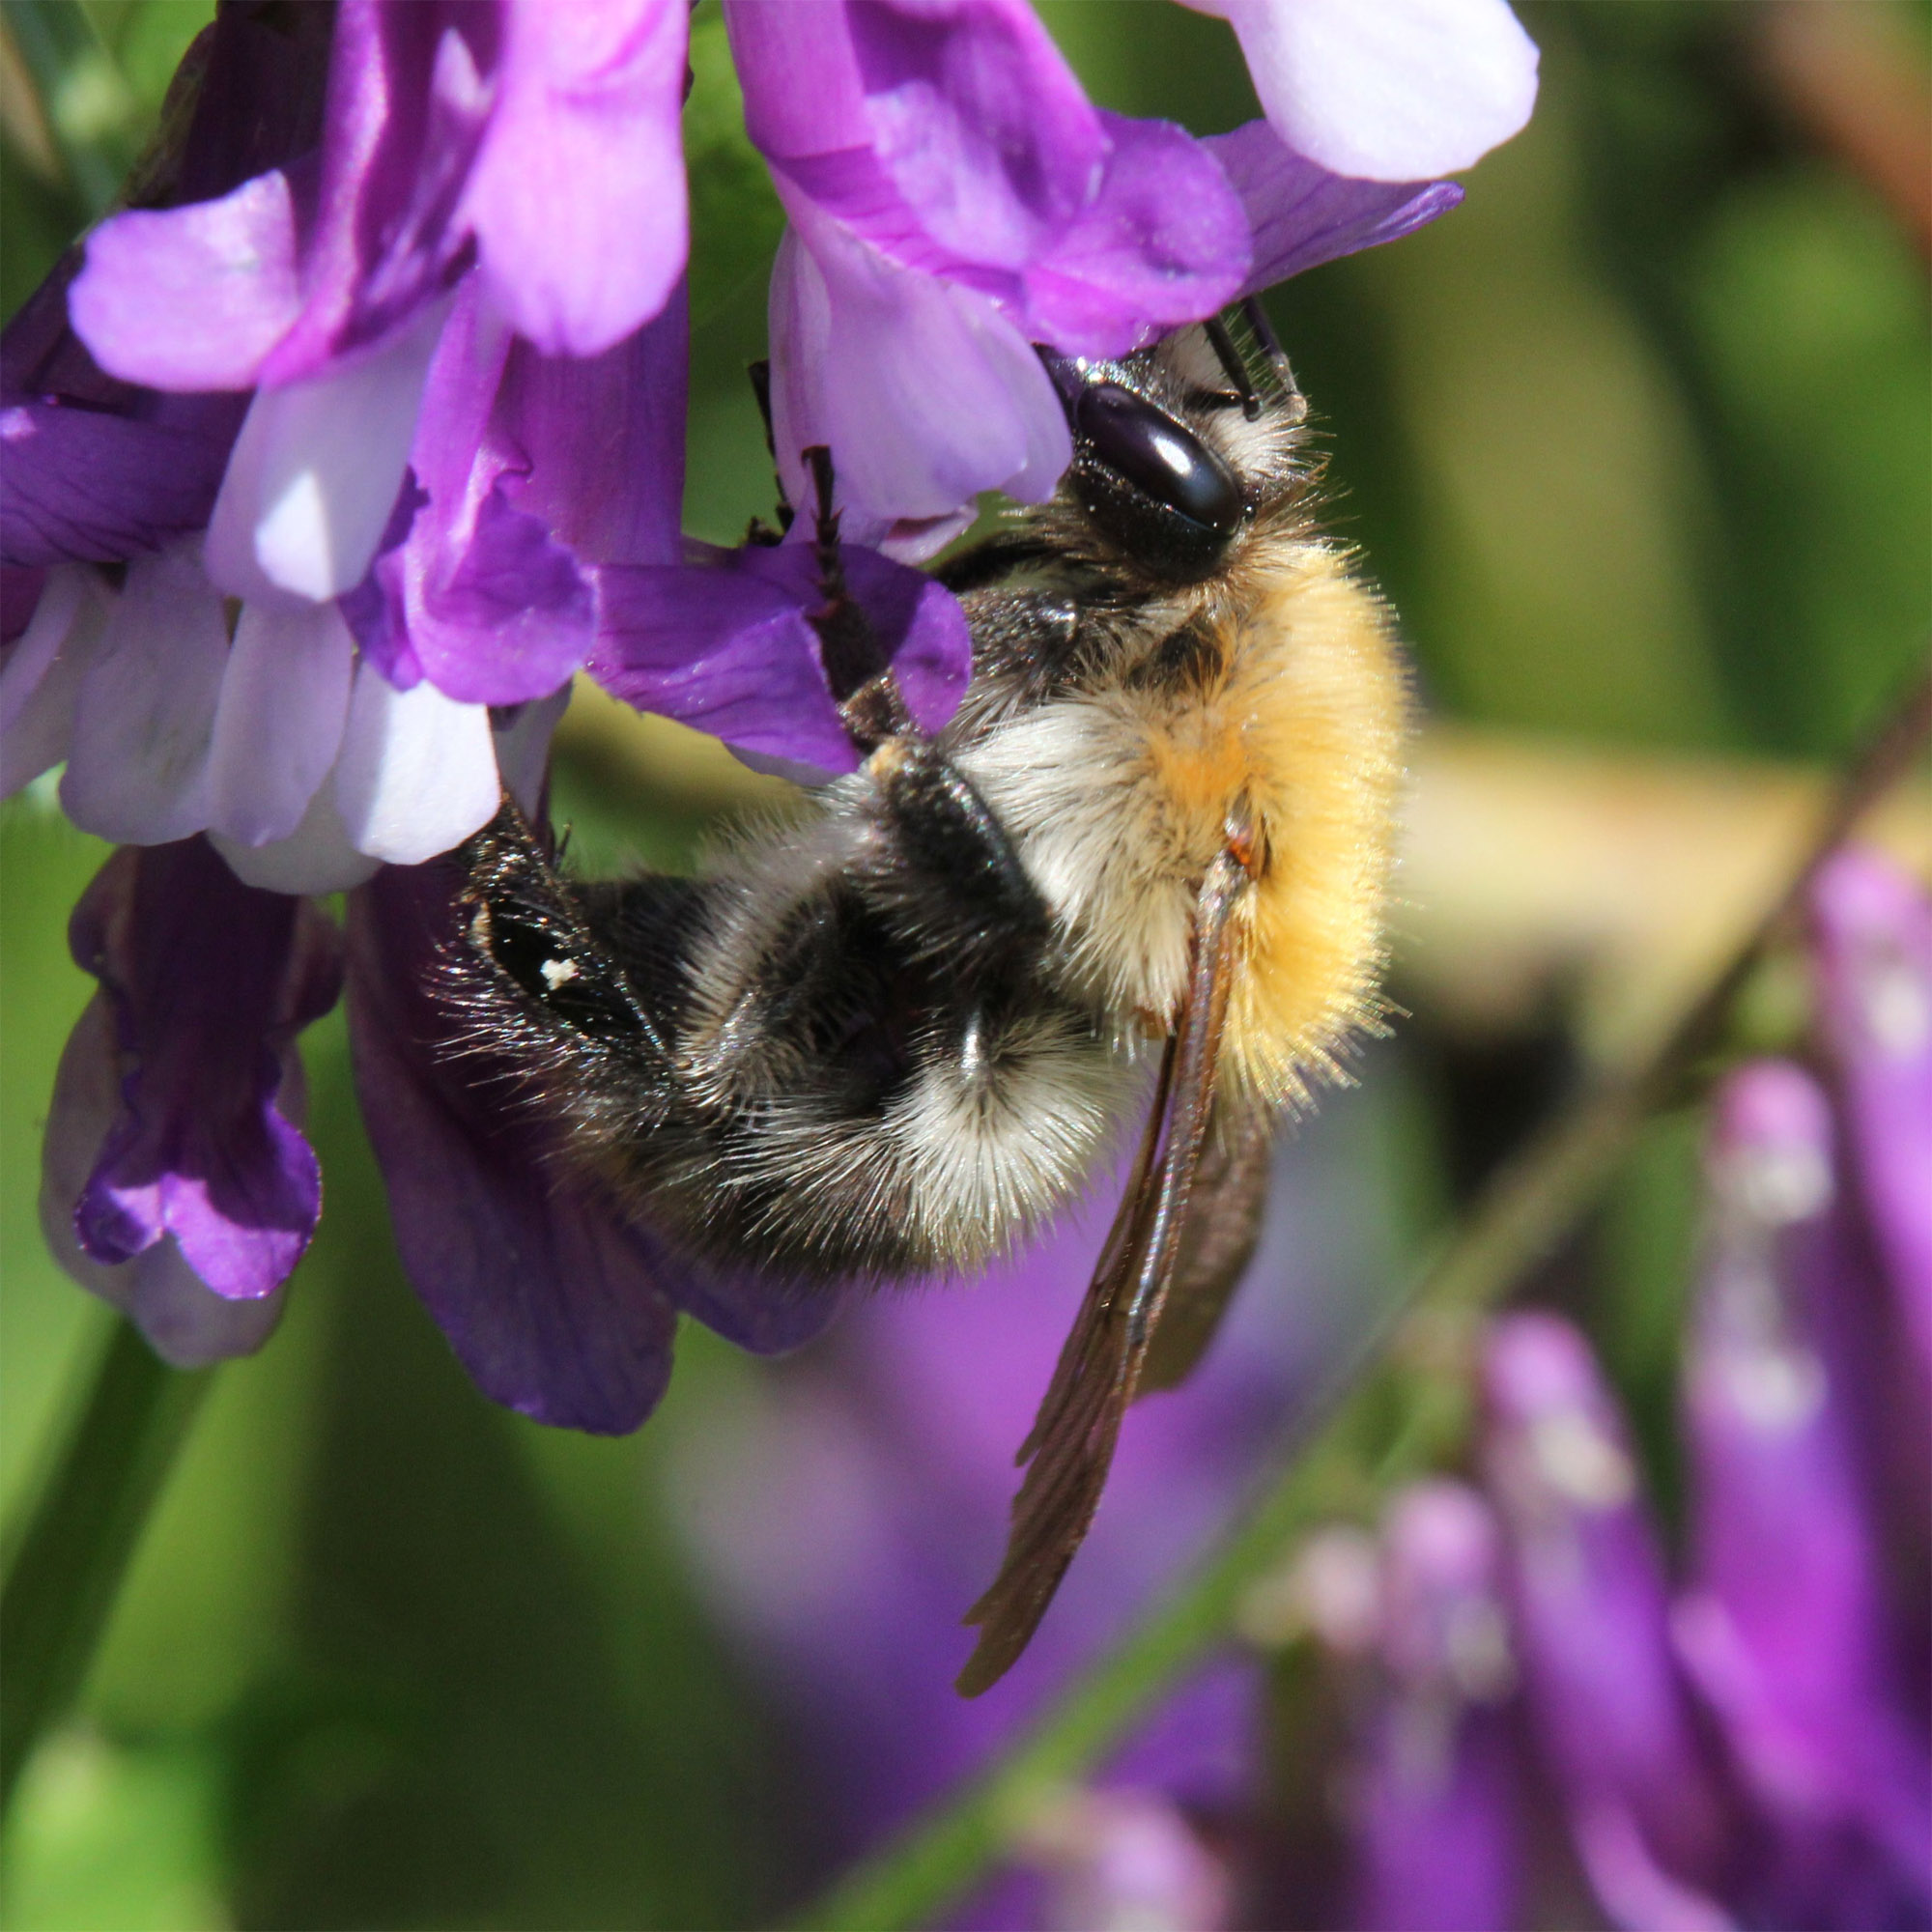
x,y
1587,1591
523,748
278,721
42,672
316,857
137,773
191,298
417,771
1390,92
923,392
1873,942
186,1323
1128,1859
315,474
1302,215
208,982
577,192
1165,241
547,1300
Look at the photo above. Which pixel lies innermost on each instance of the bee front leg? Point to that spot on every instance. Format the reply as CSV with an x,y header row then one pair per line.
x,y
942,869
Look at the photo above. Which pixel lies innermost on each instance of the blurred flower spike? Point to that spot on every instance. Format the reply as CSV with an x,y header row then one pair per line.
x,y
1745,1743
358,432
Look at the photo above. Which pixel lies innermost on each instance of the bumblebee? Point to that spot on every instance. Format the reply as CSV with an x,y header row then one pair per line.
x,y
1143,865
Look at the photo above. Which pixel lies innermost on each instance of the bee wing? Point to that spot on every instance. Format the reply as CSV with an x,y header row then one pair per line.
x,y
1071,1446
1224,1224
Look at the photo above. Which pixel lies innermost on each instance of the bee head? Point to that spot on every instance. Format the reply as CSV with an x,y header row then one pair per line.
x,y
1158,446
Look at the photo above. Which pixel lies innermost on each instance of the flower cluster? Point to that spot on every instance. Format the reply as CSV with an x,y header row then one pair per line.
x,y
1538,1709
337,454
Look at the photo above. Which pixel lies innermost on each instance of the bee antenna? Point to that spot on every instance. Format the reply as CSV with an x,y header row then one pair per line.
x,y
1277,355
1235,366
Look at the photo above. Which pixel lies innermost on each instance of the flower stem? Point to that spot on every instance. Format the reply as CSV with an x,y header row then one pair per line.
x,y
66,1572
1400,1418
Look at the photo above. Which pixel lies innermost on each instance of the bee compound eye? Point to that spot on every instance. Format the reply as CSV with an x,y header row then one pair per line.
x,y
1160,457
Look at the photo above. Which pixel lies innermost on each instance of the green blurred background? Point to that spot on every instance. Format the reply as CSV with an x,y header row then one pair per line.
x,y
1639,441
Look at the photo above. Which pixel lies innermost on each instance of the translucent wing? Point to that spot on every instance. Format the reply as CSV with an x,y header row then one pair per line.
x,y
1071,1446
1224,1223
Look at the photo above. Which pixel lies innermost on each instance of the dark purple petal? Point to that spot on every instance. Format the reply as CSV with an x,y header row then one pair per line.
x,y
1872,928
578,198
210,982
409,98
1302,215
21,588
91,468
1587,1590
1788,1629
1165,241
546,1299
184,1320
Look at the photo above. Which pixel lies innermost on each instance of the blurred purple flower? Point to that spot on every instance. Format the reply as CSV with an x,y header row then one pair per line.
x,y
1872,944
953,199
1787,1627
846,1507
1433,1803
1588,1594
176,1184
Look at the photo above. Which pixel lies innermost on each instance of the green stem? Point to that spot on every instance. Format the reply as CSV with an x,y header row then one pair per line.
x,y
86,1525
1394,1425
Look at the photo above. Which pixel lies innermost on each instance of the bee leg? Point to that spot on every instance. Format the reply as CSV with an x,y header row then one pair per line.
x,y
944,870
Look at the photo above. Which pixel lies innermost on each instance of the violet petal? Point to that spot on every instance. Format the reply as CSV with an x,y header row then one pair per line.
x,y
191,298
1164,241
187,1325
210,980
724,652
1788,1632
1587,1590
545,1299
1872,924
577,196
1302,215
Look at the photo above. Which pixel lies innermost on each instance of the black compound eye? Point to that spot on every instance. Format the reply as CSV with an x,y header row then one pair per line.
x,y
1159,457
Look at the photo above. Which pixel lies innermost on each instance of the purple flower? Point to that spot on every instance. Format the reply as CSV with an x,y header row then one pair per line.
x,y
1590,1614
955,198
176,1183
1432,1803
1787,1629
540,143
1872,945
